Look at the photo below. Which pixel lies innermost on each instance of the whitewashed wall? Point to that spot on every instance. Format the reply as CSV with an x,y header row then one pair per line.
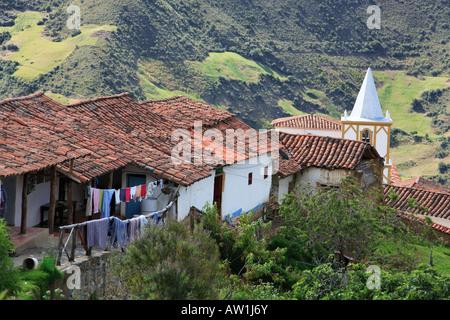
x,y
283,187
312,176
238,196
197,195
35,199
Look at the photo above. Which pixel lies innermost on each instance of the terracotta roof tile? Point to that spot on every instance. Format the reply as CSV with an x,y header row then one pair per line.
x,y
30,143
309,121
116,131
437,204
395,174
320,151
422,183
185,111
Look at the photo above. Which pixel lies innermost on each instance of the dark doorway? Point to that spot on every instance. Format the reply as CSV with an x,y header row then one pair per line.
x,y
218,187
132,207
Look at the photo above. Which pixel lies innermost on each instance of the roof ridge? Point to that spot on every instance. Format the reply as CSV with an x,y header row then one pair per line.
x,y
123,94
304,115
30,96
423,183
418,189
308,121
325,137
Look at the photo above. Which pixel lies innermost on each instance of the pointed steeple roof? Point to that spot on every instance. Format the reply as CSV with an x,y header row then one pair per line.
x,y
367,106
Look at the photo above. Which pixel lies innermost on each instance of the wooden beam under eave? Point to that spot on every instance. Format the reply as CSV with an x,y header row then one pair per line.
x,y
52,206
23,223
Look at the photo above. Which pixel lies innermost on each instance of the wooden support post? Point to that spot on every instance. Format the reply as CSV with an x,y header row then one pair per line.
x,y
60,247
74,244
70,213
52,206
92,186
23,223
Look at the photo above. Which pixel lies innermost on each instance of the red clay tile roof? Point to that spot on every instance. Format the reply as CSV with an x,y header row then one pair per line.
x,y
184,111
422,183
286,167
422,220
117,131
395,174
29,143
309,121
326,152
123,132
437,204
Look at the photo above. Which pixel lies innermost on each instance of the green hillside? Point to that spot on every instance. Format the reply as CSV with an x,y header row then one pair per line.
x,y
260,59
38,54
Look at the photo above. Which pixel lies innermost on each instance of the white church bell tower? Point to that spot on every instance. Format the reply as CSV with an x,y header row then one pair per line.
x,y
367,123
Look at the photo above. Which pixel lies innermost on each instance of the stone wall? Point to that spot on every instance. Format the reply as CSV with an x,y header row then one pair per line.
x,y
96,279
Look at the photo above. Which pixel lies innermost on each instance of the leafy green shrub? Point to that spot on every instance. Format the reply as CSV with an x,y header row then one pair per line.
x,y
327,283
8,273
172,263
33,284
4,36
442,167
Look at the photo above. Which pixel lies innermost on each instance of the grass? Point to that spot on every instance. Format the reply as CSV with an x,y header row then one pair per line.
x,y
414,160
397,93
314,96
155,92
233,66
441,257
228,65
38,54
60,98
421,253
287,106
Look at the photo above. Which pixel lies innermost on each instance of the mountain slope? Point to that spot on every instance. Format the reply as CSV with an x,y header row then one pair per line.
x,y
260,59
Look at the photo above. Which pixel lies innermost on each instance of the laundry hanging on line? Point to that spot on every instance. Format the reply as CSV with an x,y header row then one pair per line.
x,y
99,200
116,233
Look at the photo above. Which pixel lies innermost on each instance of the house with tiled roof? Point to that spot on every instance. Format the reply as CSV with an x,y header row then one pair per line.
x,y
321,161
125,144
237,186
365,125
134,144
309,124
422,183
428,202
31,148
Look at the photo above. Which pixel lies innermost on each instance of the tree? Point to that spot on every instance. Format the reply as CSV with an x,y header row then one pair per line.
x,y
349,221
8,273
442,167
244,249
170,262
325,282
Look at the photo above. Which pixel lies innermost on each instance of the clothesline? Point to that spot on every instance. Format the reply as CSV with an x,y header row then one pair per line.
x,y
148,215
99,200
116,230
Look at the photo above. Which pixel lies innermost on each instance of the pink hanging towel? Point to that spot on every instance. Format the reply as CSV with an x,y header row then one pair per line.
x,y
96,199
